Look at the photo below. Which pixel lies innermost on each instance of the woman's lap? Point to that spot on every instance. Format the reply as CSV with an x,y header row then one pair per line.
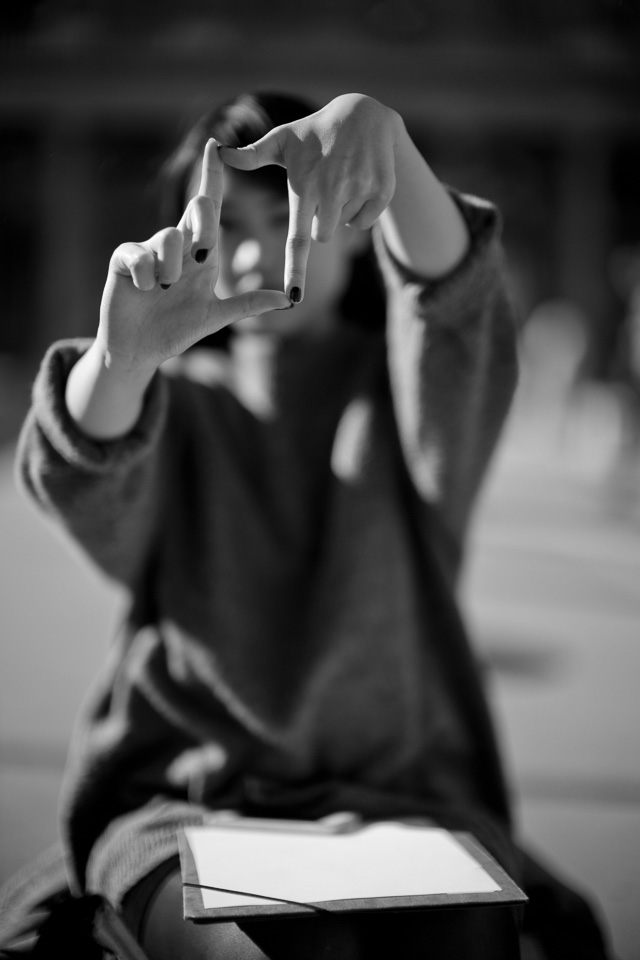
x,y
153,910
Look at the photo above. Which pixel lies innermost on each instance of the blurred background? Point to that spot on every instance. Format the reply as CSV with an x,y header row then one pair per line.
x,y
533,104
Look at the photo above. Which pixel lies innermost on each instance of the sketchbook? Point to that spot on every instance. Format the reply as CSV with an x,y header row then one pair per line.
x,y
250,868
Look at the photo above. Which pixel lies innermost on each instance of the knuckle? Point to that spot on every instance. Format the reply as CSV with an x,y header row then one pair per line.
x,y
323,234
140,258
386,194
170,237
201,204
121,254
356,220
281,138
368,219
298,243
364,218
250,306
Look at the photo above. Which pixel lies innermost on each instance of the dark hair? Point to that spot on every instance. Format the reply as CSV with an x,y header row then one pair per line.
x,y
236,123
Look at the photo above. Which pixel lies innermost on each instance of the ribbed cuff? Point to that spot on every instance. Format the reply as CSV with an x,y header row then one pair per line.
x,y
59,428
474,272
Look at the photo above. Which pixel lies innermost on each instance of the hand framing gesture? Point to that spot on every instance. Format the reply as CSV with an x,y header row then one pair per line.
x,y
340,164
160,297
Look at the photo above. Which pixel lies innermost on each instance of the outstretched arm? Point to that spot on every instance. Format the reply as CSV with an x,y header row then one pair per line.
x,y
422,226
451,325
159,300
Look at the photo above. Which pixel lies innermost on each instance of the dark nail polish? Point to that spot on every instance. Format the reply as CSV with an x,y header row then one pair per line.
x,y
290,307
165,286
295,294
201,255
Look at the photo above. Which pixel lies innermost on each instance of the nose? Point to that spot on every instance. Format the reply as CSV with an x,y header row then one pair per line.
x,y
247,257
255,263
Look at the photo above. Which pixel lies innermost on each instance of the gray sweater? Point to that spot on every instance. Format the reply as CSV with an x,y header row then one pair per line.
x,y
288,521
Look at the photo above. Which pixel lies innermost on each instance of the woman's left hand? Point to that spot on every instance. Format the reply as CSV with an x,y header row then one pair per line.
x,y
340,164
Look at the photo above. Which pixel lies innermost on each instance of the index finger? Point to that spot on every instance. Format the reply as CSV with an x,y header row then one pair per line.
x,y
301,212
212,177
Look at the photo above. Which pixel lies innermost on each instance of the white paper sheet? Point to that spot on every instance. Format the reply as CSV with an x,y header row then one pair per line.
x,y
381,860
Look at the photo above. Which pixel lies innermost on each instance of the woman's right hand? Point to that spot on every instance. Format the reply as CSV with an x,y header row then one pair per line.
x,y
142,324
160,298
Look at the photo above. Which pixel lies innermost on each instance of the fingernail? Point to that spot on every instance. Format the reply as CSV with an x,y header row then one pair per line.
x,y
165,286
290,307
201,255
295,294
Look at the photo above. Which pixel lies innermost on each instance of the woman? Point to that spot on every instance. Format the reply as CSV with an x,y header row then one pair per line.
x,y
288,515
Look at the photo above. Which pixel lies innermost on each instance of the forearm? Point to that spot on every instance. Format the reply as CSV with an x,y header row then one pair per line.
x,y
104,494
104,399
452,361
422,226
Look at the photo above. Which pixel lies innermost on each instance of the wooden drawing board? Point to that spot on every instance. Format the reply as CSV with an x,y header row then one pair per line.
x,y
259,868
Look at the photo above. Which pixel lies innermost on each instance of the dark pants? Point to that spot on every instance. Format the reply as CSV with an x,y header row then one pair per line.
x,y
153,911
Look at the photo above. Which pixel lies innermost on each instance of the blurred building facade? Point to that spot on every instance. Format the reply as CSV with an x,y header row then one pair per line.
x,y
533,104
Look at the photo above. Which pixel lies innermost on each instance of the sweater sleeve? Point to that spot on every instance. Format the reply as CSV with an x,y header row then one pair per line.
x,y
104,493
452,363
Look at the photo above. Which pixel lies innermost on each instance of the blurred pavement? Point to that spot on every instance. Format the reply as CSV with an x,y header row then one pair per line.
x,y
551,592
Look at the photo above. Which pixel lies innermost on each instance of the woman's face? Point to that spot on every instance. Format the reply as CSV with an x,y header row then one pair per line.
x,y
253,230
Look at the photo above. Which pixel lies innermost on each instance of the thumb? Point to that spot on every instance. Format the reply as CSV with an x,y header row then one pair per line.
x,y
265,151
251,304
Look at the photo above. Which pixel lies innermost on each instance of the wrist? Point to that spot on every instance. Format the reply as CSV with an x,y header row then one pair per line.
x,y
422,225
120,368
104,396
